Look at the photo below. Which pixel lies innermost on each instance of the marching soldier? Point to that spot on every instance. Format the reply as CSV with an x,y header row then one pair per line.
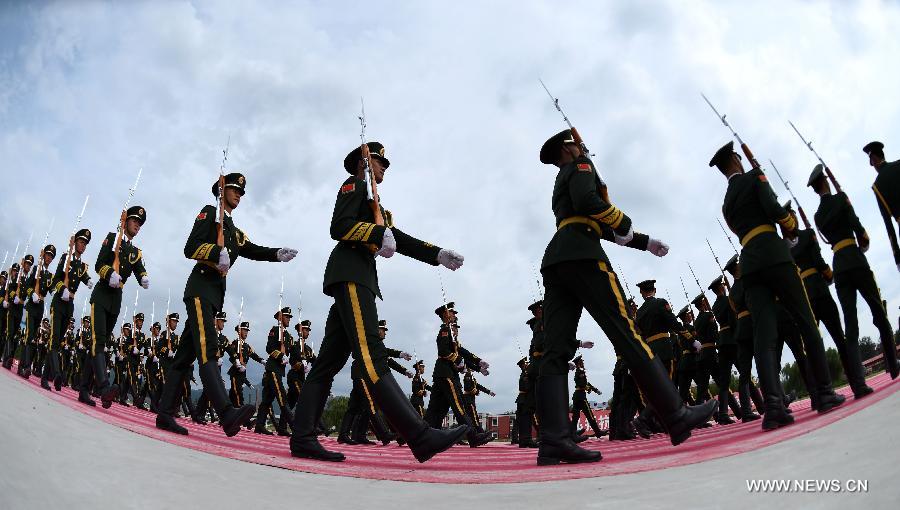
x,y
279,346
62,307
4,312
153,382
887,191
82,355
849,241
656,322
743,335
446,387
166,347
471,389
239,352
14,301
723,311
302,356
364,231
106,300
525,407
204,295
122,364
134,350
690,347
535,353
420,388
751,211
203,407
577,275
37,286
817,276
580,402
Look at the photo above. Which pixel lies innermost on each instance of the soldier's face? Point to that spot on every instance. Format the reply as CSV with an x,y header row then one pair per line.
x,y
48,258
377,169
304,333
173,324
420,369
220,324
875,159
139,324
232,198
243,334
155,331
285,320
132,227
382,333
26,266
80,246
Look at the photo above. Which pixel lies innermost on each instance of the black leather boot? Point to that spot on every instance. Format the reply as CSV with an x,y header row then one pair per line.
x,y
556,436
344,430
381,430
523,425
231,419
747,414
424,441
108,392
653,380
361,429
304,441
168,402
262,416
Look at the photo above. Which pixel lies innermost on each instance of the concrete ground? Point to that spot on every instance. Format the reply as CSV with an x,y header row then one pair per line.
x,y
56,457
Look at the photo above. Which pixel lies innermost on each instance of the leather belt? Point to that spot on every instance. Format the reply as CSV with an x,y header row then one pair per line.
x,y
724,328
840,245
743,314
708,345
809,272
658,336
755,232
584,220
537,354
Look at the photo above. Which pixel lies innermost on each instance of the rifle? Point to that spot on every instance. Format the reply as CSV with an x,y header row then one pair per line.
x,y
240,341
744,147
120,232
537,280
604,192
703,292
72,243
168,332
809,146
220,234
444,301
9,276
280,322
372,189
134,329
684,289
22,274
300,333
627,287
725,232
39,270
724,278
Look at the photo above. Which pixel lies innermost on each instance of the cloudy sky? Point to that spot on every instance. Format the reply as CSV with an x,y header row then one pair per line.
x,y
91,91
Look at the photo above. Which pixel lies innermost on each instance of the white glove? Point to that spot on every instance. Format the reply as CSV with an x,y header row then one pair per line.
x,y
224,261
571,366
171,354
155,359
388,244
284,360
450,259
657,247
306,368
6,303
587,344
118,356
241,368
90,284
115,280
134,350
483,365
219,362
623,240
492,394
286,254
405,355
35,297
485,372
145,282
66,295
697,346
17,301
408,374
793,242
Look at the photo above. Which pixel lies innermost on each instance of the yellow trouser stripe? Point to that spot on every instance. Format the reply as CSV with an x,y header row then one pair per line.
x,y
368,395
277,389
361,333
93,332
708,345
658,336
883,201
840,245
580,219
808,307
743,314
237,391
755,232
724,328
52,330
202,330
459,408
809,272
614,285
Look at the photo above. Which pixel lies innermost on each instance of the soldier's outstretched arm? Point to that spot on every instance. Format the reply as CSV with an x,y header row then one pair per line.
x,y
104,263
251,251
472,361
482,388
892,235
59,276
770,205
396,367
344,224
198,245
587,201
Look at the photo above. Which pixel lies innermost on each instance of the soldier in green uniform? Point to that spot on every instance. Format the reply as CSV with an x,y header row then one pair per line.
x,y
239,353
62,306
535,354
743,335
577,275
165,350
14,301
525,407
351,328
690,347
37,285
887,192
471,389
302,357
580,402
420,388
723,310
838,223
447,388
204,295
817,276
123,372
153,379
4,310
82,357
133,352
106,299
278,345
751,211
656,323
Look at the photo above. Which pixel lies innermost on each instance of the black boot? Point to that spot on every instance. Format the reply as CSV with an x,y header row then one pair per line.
x,y
108,392
262,416
653,380
722,417
556,437
640,424
344,430
747,414
304,441
776,415
168,402
767,367
381,430
523,425
361,429
424,441
25,364
231,418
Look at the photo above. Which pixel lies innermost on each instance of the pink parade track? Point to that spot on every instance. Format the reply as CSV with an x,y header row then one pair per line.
x,y
492,463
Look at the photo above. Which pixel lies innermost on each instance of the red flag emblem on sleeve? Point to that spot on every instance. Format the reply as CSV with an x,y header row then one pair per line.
x,y
201,216
348,188
584,167
762,178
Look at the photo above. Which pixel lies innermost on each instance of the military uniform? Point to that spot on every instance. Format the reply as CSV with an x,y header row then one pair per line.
x,y
15,301
751,210
580,402
446,393
577,275
471,389
38,282
726,347
887,192
4,311
743,335
420,389
278,345
687,365
524,408
204,295
239,352
351,328
656,322
302,356
840,226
